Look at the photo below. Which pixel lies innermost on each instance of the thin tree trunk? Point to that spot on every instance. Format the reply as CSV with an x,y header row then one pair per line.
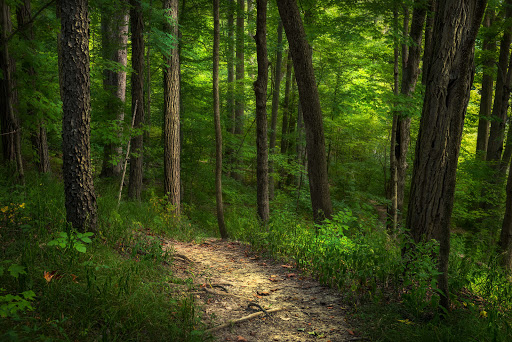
x,y
500,106
172,114
286,103
489,46
114,45
437,149
310,103
11,133
218,128
260,90
505,241
81,208
230,98
429,26
37,136
240,76
275,108
136,158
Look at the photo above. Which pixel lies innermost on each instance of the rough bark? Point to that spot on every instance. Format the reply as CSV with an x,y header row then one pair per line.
x,y
81,206
137,83
502,92
11,133
275,108
114,45
489,46
172,177
505,241
312,112
429,26
446,97
38,133
218,128
240,76
260,90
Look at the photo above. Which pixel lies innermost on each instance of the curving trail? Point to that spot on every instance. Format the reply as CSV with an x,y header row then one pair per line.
x,y
304,309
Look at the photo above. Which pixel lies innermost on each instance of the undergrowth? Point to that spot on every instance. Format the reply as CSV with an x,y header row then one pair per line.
x,y
59,284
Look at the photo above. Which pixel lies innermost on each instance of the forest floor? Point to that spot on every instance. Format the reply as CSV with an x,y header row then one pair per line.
x,y
226,278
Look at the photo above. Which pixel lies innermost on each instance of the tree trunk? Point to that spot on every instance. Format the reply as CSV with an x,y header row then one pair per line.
x,y
411,57
437,149
172,113
137,28
260,90
240,75
499,109
489,46
286,103
505,241
230,96
11,133
429,26
216,118
114,45
81,206
275,108
312,112
37,136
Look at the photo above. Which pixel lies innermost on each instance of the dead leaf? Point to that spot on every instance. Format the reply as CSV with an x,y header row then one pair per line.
x,y
263,293
287,266
241,339
289,275
75,277
51,275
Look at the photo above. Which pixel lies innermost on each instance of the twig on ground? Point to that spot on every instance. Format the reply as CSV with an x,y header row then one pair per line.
x,y
236,321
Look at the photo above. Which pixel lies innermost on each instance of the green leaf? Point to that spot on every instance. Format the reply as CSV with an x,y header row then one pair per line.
x,y
15,270
81,248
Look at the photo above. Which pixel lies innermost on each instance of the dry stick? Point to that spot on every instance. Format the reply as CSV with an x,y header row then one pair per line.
x,y
126,158
229,323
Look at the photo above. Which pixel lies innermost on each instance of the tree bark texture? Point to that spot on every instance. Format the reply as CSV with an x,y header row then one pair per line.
x,y
11,133
505,241
137,83
489,46
81,208
38,135
312,112
216,119
172,177
260,90
240,76
230,96
437,149
114,44
429,26
411,57
275,108
286,103
502,92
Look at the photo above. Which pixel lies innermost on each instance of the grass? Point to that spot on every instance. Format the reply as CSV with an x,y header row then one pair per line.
x,y
113,287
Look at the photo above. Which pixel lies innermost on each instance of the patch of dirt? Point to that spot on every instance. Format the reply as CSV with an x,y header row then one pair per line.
x,y
305,309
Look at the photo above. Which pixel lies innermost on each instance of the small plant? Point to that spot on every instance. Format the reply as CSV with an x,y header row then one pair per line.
x,y
10,304
72,241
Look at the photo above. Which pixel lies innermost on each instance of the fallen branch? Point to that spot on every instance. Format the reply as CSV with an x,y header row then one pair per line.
x,y
215,292
246,318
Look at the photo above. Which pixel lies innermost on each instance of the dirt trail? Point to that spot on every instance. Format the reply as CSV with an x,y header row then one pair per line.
x,y
309,312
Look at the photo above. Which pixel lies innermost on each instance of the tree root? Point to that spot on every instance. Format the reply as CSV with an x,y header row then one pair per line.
x,y
239,320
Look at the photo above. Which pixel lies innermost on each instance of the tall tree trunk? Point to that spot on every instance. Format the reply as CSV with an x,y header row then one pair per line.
x,y
230,96
275,108
429,27
216,118
81,206
411,57
38,135
505,241
172,113
312,112
114,45
260,90
499,109
240,75
437,149
286,102
11,133
137,28
489,46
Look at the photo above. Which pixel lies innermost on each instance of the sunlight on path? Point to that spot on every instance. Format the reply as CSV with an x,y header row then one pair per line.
x,y
310,311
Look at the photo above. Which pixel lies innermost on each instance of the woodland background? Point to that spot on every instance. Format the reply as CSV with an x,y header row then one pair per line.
x,y
386,178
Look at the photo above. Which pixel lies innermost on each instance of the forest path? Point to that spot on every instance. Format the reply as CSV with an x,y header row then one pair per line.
x,y
309,310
